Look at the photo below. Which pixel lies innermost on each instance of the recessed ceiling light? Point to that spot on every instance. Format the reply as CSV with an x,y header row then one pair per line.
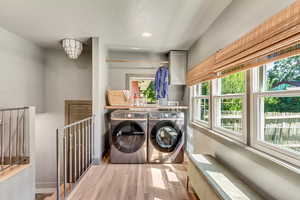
x,y
146,34
135,48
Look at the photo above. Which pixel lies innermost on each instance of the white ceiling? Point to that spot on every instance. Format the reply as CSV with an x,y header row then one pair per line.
x,y
175,24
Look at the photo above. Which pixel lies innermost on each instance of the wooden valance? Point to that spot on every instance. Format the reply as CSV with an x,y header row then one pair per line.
x,y
277,38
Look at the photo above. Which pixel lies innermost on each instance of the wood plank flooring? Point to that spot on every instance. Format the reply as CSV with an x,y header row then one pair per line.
x,y
133,182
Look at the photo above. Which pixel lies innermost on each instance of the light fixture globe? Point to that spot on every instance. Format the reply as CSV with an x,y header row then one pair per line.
x,y
72,47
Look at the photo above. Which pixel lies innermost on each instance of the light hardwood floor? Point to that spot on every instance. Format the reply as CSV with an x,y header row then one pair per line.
x,y
134,182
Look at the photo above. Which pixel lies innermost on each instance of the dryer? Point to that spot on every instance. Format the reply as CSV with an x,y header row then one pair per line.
x,y
166,137
128,137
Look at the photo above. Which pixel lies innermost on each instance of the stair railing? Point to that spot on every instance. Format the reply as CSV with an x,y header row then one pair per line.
x,y
14,139
75,154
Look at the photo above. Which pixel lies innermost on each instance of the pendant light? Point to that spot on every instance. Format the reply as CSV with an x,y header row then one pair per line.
x,y
72,47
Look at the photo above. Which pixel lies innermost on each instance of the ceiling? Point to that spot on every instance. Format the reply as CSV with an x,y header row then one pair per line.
x,y
174,24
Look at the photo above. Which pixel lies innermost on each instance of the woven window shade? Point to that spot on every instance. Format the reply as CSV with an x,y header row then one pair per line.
x,y
277,38
202,71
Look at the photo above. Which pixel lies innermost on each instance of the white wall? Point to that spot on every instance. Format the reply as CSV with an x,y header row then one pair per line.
x,y
21,72
21,84
65,79
22,184
100,82
19,186
117,71
240,17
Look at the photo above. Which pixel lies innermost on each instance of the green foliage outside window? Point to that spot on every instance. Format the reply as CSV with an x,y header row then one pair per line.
x,y
231,104
287,104
149,93
232,84
281,72
205,88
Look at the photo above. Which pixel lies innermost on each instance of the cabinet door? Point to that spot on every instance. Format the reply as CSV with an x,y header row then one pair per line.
x,y
178,63
76,110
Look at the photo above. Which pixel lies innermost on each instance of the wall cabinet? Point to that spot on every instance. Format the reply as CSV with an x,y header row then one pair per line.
x,y
177,68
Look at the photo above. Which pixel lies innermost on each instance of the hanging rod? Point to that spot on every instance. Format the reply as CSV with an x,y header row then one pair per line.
x,y
135,61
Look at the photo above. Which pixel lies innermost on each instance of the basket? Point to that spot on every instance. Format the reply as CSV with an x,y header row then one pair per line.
x,y
118,97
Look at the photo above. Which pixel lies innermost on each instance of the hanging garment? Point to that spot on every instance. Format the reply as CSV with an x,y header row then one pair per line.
x,y
162,82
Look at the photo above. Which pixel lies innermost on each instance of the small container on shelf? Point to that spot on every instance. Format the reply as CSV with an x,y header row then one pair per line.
x,y
162,102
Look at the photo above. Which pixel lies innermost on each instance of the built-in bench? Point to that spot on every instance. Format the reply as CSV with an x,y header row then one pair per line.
x,y
212,181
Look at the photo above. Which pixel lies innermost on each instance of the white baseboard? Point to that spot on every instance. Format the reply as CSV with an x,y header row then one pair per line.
x,y
45,190
45,187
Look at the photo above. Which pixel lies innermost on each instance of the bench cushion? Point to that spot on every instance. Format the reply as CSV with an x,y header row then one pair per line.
x,y
225,183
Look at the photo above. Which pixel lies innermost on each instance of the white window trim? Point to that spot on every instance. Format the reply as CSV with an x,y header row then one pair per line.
x,y
201,122
242,137
191,103
196,97
257,120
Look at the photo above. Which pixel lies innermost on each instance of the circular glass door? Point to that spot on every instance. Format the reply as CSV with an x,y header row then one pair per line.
x,y
128,137
165,136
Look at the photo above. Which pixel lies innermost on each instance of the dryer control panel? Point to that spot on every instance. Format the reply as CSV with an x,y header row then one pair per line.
x,y
167,115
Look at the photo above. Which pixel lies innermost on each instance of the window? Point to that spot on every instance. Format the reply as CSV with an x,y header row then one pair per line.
x,y
274,113
276,107
229,100
201,103
142,87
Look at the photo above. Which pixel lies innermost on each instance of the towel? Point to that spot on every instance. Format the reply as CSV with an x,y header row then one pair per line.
x,y
162,82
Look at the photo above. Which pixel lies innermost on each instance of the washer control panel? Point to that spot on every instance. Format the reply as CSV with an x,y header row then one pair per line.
x,y
128,115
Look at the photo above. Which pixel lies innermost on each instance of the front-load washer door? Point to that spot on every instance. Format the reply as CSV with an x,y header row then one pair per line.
x,y
165,136
128,137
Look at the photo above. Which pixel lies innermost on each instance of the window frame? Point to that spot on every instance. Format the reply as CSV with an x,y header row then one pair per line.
x,y
257,117
195,98
216,95
136,77
252,116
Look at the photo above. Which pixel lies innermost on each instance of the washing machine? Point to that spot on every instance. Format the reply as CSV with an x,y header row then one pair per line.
x,y
128,137
166,137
